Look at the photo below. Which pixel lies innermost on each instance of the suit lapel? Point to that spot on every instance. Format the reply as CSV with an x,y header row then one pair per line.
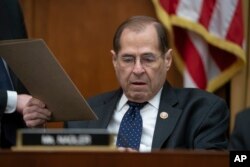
x,y
108,108
164,127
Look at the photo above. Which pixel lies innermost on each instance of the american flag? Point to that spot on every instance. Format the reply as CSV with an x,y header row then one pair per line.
x,y
208,39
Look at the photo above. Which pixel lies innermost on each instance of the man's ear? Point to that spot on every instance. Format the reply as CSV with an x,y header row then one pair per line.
x,y
114,58
168,58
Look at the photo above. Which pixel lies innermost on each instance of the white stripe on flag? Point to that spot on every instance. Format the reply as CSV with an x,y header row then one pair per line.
x,y
189,9
221,17
188,80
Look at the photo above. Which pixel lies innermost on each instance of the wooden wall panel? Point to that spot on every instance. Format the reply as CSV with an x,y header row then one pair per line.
x,y
80,32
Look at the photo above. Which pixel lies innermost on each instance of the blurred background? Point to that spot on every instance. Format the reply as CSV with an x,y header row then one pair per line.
x,y
80,32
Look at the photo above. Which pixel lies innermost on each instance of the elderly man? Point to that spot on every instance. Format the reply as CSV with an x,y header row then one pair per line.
x,y
146,113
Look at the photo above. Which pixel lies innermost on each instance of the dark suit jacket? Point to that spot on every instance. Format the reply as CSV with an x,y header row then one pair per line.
x,y
197,119
11,27
10,122
240,138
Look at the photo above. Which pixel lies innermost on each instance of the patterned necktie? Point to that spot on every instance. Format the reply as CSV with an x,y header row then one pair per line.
x,y
130,130
5,83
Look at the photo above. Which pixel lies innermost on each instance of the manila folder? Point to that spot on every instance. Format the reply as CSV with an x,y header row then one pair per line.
x,y
43,76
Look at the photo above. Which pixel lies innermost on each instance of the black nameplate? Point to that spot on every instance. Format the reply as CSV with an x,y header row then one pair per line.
x,y
64,137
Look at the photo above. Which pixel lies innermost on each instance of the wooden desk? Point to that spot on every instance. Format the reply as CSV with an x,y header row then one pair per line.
x,y
168,158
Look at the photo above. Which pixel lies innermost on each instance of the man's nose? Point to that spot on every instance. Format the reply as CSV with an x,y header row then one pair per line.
x,y
138,67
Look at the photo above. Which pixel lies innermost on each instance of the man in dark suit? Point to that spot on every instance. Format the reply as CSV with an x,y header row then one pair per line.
x,y
17,108
171,118
10,122
240,137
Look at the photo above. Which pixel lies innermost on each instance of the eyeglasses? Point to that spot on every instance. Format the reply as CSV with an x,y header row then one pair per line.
x,y
147,60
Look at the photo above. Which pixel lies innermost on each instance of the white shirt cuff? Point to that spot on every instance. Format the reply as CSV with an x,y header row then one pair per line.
x,y
11,102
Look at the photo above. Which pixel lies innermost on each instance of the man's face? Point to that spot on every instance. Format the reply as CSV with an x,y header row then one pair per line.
x,y
140,66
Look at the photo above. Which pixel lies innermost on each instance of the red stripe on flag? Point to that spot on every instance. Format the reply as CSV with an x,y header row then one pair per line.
x,y
206,12
235,31
169,6
222,58
191,57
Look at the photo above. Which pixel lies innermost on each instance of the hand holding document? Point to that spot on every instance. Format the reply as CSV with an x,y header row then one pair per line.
x,y
40,72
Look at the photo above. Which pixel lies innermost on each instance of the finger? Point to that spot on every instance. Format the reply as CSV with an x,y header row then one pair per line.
x,y
34,112
35,123
122,149
44,111
37,109
37,102
34,116
131,150
35,119
126,149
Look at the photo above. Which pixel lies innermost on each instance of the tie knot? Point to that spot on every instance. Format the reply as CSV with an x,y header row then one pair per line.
x,y
136,105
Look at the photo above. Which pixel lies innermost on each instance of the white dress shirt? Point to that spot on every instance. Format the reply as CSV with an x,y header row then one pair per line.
x,y
11,102
149,115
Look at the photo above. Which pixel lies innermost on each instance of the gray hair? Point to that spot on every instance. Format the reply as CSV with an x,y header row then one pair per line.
x,y
137,24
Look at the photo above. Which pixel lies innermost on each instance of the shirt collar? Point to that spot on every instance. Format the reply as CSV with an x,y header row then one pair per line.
x,y
122,102
155,101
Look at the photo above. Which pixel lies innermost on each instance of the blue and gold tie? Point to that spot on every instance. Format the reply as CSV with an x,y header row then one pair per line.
x,y
130,130
5,83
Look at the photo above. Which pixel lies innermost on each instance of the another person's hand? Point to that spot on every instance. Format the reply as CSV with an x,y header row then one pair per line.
x,y
35,113
22,101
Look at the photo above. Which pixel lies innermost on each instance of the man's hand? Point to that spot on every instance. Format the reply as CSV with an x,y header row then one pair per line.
x,y
125,149
35,113
22,101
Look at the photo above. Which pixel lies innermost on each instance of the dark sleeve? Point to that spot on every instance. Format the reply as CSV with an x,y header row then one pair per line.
x,y
3,102
10,123
18,85
212,133
240,137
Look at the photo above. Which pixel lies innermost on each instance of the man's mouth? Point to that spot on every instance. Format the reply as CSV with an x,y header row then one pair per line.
x,y
138,83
